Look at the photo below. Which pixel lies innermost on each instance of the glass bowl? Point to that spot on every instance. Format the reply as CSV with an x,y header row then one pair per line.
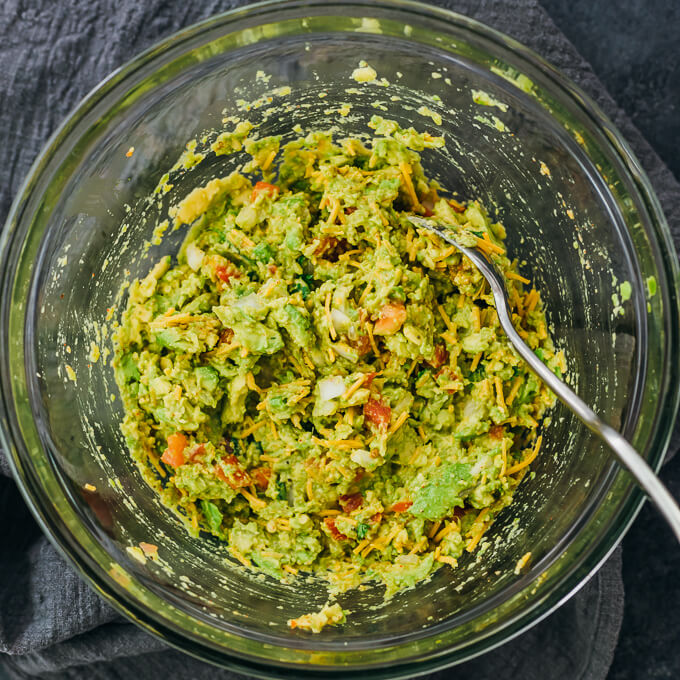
x,y
579,212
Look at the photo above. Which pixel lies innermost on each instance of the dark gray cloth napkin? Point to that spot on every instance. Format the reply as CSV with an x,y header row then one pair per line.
x,y
52,625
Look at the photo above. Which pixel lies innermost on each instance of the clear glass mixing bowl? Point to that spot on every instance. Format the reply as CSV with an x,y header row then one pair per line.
x,y
589,225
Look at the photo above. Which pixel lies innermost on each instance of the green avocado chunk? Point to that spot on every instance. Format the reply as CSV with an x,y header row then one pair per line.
x,y
443,492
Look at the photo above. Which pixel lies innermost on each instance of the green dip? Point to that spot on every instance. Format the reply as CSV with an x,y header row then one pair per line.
x,y
321,385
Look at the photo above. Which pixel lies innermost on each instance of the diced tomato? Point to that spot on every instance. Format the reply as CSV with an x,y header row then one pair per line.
x,y
457,207
326,243
362,345
226,335
331,247
261,476
401,506
375,519
392,317
234,475
149,549
177,442
350,502
174,454
453,389
441,356
369,379
225,273
263,188
349,210
496,432
172,459
330,524
239,475
377,413
220,473
196,452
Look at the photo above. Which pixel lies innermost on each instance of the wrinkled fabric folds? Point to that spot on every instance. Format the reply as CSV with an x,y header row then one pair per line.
x,y
52,625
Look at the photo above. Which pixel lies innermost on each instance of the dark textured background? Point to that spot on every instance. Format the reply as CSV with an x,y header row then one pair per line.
x,y
634,47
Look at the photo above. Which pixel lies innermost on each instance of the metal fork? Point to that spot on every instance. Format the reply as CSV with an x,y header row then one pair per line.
x,y
626,454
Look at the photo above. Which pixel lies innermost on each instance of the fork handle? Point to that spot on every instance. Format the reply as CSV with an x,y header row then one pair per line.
x,y
627,455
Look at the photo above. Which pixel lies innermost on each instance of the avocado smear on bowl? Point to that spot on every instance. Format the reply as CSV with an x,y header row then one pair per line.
x,y
319,384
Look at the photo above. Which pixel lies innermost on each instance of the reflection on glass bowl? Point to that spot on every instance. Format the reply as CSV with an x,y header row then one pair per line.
x,y
585,227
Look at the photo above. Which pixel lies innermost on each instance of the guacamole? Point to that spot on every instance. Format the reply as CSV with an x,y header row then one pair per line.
x,y
319,384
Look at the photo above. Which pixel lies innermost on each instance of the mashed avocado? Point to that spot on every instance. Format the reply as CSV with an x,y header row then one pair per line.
x,y
321,385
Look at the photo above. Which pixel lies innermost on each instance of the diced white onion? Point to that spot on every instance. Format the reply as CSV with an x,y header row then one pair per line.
x,y
413,334
340,320
194,257
346,352
331,388
363,457
250,304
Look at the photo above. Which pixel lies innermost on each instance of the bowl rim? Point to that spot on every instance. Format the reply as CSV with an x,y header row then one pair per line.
x,y
629,508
